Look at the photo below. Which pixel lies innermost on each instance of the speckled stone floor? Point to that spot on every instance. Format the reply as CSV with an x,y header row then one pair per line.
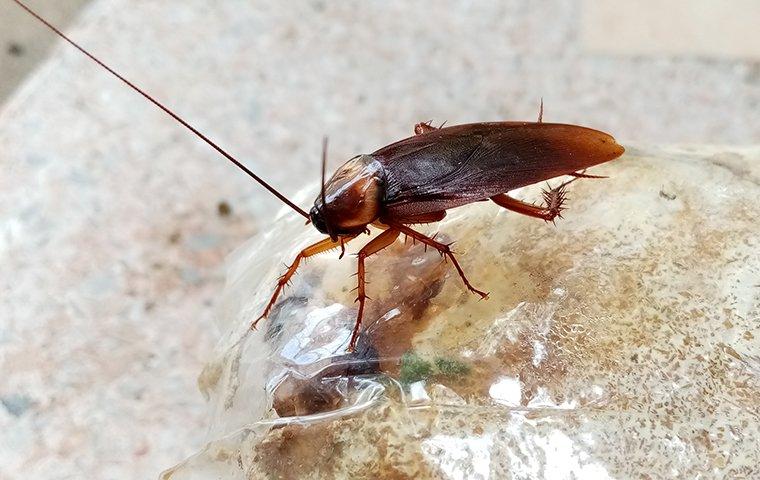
x,y
112,239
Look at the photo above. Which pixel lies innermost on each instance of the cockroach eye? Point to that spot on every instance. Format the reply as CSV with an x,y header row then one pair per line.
x,y
317,220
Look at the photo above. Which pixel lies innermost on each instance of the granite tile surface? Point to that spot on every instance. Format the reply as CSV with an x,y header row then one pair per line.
x,y
112,239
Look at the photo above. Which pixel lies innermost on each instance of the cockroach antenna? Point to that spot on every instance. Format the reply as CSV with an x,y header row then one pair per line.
x,y
322,188
176,117
324,167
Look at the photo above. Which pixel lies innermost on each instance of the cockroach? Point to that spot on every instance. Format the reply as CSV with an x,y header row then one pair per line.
x,y
417,179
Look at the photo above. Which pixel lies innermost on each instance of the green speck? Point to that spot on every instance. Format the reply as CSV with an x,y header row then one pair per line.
x,y
414,368
449,367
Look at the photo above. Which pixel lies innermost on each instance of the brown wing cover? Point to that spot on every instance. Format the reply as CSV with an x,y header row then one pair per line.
x,y
461,164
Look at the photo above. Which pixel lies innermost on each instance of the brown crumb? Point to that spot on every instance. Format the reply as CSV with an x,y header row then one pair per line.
x,y
223,209
15,49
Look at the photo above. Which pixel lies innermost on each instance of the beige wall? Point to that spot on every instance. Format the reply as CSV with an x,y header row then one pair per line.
x,y
21,47
710,28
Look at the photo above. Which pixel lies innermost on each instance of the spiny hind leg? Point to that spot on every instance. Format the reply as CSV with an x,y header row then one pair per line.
x,y
554,203
583,174
311,250
375,245
541,111
443,249
426,127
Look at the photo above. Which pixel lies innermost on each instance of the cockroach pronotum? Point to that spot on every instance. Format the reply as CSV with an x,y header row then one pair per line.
x,y
416,180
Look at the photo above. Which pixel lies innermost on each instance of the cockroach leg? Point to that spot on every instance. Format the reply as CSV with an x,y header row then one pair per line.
x,y
442,248
583,174
541,111
311,250
375,245
554,200
424,127
342,248
524,208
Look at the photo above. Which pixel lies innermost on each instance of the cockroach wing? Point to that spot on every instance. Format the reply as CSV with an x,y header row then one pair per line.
x,y
453,166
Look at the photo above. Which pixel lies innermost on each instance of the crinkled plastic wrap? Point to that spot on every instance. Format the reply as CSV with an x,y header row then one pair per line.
x,y
622,343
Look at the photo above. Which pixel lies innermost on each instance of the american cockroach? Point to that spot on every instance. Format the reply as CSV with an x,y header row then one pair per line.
x,y
416,180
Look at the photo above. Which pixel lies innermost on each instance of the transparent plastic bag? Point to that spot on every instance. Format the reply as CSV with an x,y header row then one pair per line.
x,y
622,343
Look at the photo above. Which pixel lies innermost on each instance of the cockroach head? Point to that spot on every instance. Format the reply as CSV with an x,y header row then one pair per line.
x,y
352,198
318,220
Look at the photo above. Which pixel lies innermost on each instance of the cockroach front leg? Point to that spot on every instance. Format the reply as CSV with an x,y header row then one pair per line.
x,y
378,243
311,250
554,201
443,249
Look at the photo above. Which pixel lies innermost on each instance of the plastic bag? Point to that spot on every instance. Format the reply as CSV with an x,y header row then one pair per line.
x,y
622,343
